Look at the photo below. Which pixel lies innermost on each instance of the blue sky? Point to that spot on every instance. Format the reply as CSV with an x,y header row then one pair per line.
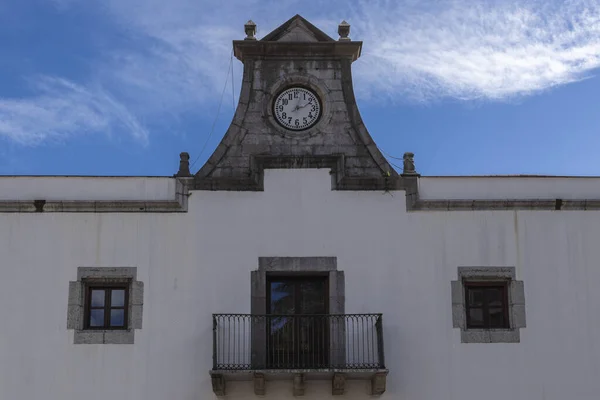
x,y
121,87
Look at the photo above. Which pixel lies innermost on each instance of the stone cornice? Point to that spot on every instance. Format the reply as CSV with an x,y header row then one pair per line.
x,y
179,203
334,162
247,49
415,203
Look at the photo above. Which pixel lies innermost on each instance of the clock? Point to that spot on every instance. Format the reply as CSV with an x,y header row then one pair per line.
x,y
297,108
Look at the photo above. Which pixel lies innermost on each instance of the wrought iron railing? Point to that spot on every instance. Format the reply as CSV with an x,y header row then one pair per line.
x,y
249,342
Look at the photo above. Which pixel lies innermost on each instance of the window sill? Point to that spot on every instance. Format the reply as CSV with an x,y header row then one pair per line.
x,y
490,336
111,336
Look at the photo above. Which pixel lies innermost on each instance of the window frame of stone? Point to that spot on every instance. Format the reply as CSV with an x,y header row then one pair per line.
x,y
296,267
104,277
108,306
515,304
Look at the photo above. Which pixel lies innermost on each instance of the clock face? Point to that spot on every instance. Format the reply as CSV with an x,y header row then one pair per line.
x,y
297,108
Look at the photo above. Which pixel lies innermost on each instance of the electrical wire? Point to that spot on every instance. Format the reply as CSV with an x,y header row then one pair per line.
x,y
212,129
388,156
232,86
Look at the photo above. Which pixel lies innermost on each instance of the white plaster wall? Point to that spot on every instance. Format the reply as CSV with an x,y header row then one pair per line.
x,y
51,188
509,187
400,264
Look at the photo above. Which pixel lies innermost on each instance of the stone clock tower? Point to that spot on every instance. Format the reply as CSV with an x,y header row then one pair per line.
x,y
296,110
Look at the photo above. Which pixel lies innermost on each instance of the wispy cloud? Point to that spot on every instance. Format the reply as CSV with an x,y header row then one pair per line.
x,y
61,109
415,50
176,53
467,50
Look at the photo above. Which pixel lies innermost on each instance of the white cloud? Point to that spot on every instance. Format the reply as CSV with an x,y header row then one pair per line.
x,y
61,109
415,50
175,55
466,50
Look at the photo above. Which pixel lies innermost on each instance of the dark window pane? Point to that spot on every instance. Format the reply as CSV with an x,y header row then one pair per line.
x,y
117,298
476,317
497,318
96,318
312,299
282,298
98,297
117,317
495,297
475,297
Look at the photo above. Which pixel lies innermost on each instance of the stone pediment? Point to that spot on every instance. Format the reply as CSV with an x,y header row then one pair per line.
x,y
297,56
297,29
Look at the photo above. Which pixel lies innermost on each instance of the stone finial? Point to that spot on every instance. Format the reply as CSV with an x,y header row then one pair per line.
x,y
250,29
409,164
184,165
344,30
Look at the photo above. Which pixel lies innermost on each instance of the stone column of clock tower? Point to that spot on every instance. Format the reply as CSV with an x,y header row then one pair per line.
x,y
296,110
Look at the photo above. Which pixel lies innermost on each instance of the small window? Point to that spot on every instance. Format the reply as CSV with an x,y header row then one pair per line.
x,y
486,305
106,307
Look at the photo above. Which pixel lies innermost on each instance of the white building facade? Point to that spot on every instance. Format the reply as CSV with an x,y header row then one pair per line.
x,y
298,263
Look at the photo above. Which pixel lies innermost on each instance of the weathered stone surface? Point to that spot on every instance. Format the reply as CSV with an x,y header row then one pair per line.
x,y
119,336
272,64
516,304
299,385
338,384
378,383
218,384
259,384
89,337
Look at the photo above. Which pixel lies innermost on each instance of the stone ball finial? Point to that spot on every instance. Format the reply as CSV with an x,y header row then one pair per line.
x,y
409,164
344,30
184,165
250,29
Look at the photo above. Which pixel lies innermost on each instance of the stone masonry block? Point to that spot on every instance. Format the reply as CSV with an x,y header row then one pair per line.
x,y
259,384
106,272
486,272
518,315
89,337
457,292
119,336
475,336
458,316
137,293
505,336
74,316
136,316
75,293
517,292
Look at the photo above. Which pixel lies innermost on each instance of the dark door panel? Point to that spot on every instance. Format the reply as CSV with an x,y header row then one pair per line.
x,y
297,322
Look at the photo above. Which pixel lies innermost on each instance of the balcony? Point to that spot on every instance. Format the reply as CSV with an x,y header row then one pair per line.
x,y
298,348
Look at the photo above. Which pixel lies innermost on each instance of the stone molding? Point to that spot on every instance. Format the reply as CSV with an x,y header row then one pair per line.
x,y
76,305
179,203
334,162
414,203
516,304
